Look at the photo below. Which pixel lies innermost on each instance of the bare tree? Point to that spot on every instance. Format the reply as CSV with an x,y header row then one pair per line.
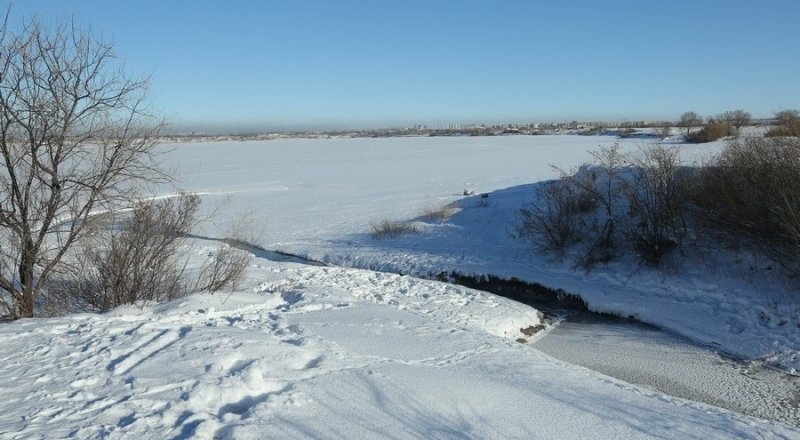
x,y
786,117
689,120
75,139
736,118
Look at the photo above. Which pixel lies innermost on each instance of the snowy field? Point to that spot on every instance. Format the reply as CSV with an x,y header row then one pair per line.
x,y
317,198
344,352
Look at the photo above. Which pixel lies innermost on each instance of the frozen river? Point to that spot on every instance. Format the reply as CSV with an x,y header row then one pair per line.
x,y
647,356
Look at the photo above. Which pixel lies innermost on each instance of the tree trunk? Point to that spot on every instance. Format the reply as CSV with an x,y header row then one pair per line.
x,y
25,306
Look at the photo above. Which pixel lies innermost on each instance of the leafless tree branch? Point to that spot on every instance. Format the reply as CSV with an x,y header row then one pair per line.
x,y
75,138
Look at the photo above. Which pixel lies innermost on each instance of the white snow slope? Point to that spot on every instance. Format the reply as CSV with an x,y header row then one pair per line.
x,y
311,352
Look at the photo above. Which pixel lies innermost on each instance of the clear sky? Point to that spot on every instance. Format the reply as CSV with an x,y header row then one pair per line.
x,y
257,64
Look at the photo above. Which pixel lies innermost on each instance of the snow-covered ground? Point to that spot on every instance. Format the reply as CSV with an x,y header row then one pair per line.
x,y
317,198
327,352
316,352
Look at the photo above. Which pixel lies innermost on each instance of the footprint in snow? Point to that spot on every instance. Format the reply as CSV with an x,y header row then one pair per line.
x,y
314,363
292,297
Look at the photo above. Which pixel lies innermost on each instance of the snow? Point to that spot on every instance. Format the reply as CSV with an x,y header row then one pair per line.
x,y
315,352
299,351
670,363
316,198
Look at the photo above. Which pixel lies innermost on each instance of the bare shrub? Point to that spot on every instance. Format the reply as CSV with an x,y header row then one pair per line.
x,y
710,132
648,184
736,119
656,197
752,191
784,117
603,182
225,269
787,124
391,228
228,263
790,129
663,132
138,257
749,195
553,223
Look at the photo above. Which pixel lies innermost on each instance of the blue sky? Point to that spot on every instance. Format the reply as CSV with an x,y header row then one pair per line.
x,y
252,65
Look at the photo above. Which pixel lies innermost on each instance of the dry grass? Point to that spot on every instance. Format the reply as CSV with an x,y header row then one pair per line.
x,y
440,213
391,228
